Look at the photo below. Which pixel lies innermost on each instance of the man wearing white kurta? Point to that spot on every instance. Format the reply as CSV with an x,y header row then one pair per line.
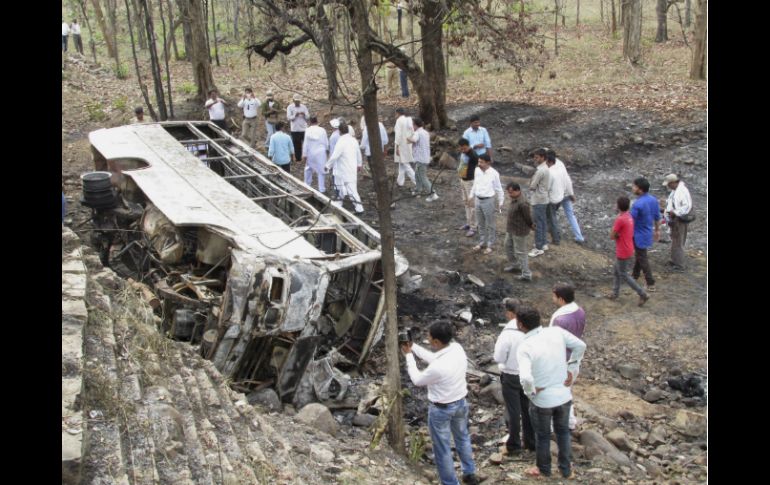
x,y
345,162
297,114
314,150
404,137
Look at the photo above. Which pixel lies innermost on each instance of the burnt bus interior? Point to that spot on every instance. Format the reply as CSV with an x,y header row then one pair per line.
x,y
262,318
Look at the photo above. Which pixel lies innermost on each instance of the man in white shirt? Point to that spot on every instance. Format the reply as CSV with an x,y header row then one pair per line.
x,y
65,32
448,410
75,31
404,132
216,107
561,194
250,105
678,204
315,148
486,185
516,401
345,162
421,154
546,378
297,114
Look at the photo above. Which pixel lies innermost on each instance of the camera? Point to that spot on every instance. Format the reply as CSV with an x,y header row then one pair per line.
x,y
405,335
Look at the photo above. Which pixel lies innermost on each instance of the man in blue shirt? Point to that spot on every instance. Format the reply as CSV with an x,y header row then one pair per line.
x,y
281,150
478,137
646,213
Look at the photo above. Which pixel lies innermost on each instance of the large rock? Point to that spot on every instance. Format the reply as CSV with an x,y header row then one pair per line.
x,y
689,423
653,395
494,391
657,435
267,398
596,445
619,438
321,453
629,371
318,416
364,420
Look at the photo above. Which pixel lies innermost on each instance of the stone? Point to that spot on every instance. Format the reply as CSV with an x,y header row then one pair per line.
x,y
619,438
637,139
690,423
496,458
494,391
653,395
596,445
653,469
629,371
657,435
320,453
566,135
505,149
364,420
318,416
266,398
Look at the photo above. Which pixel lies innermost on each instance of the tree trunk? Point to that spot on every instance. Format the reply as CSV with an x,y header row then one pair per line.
x,y
103,26
699,55
687,11
112,13
410,30
172,28
214,32
91,43
556,27
141,33
199,48
165,59
601,10
142,87
154,62
387,240
614,18
661,9
236,14
577,17
561,11
433,107
347,42
328,58
632,30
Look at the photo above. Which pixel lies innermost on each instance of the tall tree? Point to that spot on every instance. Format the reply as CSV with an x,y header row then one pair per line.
x,y
193,12
172,30
165,59
91,43
139,78
614,18
661,9
360,21
139,22
214,31
699,55
632,30
160,97
687,10
108,39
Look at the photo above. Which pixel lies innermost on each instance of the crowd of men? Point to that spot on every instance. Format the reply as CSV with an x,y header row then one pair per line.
x,y
72,29
538,363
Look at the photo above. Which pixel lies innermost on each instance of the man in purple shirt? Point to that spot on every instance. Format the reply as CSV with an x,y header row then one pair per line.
x,y
571,318
646,213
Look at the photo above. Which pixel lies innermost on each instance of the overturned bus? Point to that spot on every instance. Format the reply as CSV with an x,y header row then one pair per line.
x,y
279,287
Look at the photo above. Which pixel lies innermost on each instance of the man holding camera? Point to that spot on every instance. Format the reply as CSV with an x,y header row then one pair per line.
x,y
448,410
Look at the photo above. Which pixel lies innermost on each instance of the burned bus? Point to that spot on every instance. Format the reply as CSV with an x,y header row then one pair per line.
x,y
277,286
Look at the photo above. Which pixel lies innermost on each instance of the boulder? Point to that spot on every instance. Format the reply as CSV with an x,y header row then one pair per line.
x,y
266,398
596,445
494,391
653,395
657,435
321,453
318,416
364,420
690,423
619,438
629,371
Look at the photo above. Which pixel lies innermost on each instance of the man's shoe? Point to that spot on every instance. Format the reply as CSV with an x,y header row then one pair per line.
x,y
650,288
556,243
524,278
432,197
509,269
465,227
545,247
581,243
470,233
471,479
611,296
535,252
643,299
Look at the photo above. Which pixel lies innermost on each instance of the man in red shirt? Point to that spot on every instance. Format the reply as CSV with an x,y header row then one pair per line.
x,y
623,234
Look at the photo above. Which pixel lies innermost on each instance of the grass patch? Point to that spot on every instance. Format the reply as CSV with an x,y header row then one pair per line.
x,y
121,103
121,71
187,88
96,111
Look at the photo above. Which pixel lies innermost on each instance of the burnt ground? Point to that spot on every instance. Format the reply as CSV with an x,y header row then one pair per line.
x,y
604,150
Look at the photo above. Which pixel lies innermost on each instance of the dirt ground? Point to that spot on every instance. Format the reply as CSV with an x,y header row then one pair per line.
x,y
604,150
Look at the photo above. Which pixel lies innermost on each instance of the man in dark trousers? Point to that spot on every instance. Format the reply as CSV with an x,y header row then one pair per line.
x,y
516,401
466,170
517,230
623,235
645,214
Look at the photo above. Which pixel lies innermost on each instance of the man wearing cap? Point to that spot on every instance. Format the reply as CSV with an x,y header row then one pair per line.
x,y
678,204
297,114
270,112
250,105
404,136
314,150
